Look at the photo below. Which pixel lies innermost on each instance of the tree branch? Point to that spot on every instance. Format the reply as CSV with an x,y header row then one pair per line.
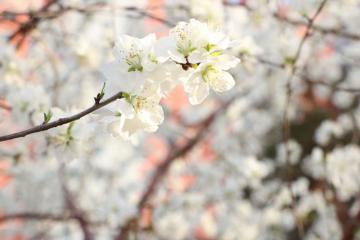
x,y
323,30
35,17
61,121
77,214
35,216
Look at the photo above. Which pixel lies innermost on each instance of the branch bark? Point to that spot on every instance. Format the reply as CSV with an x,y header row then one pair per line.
x,y
323,30
61,121
35,216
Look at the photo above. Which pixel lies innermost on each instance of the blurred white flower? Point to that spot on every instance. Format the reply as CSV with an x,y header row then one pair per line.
x,y
327,131
342,170
290,152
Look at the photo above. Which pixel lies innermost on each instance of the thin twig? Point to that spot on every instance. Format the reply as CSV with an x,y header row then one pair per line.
x,y
320,29
35,216
77,214
286,121
35,17
302,75
61,121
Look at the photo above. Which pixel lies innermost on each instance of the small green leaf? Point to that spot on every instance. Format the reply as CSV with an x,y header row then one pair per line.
x,y
102,93
47,117
132,69
127,96
135,68
289,60
69,129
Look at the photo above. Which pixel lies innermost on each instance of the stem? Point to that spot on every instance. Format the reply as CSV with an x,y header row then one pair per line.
x,y
61,121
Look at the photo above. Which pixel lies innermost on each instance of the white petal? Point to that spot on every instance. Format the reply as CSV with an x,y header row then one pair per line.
x,y
163,46
225,62
199,93
119,79
221,81
192,82
131,126
219,39
123,45
148,42
113,71
153,116
125,108
115,127
177,57
197,56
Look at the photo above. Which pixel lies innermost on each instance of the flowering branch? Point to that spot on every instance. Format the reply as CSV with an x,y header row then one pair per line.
x,y
61,121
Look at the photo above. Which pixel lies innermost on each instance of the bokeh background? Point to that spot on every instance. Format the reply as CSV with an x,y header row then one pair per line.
x,y
278,157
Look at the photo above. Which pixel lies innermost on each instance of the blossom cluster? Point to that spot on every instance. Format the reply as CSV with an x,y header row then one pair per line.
x,y
145,70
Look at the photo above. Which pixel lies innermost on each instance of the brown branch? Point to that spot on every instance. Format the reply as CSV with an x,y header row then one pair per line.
x,y
143,13
35,17
77,214
61,121
41,217
323,30
29,25
35,216
302,75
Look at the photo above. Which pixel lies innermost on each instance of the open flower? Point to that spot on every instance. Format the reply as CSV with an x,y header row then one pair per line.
x,y
192,42
146,70
135,113
183,41
212,75
134,60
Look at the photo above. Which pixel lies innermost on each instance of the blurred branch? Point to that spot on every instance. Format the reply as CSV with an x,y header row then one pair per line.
x,y
29,25
34,216
35,17
304,76
332,31
163,168
323,30
286,120
61,121
143,13
76,213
